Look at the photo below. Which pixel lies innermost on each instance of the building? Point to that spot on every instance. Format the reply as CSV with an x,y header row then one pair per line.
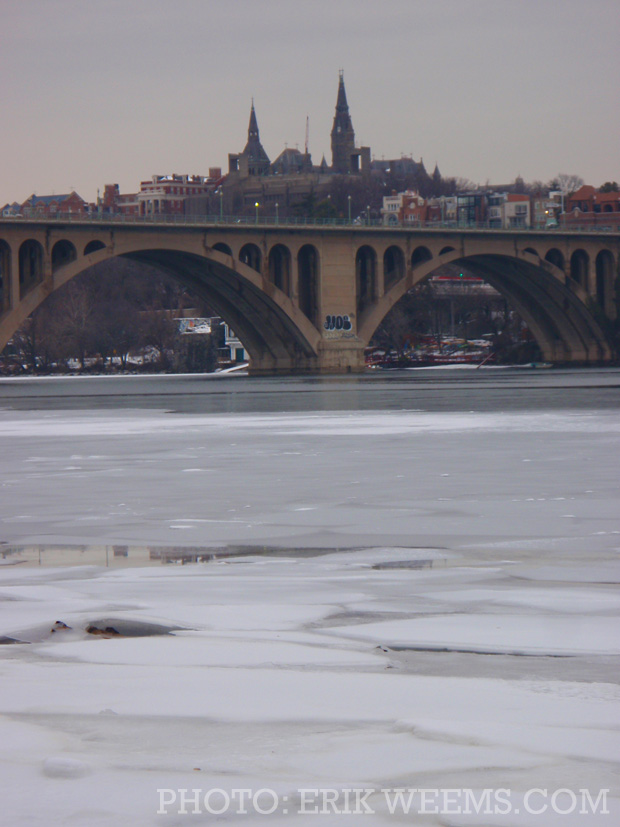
x,y
589,207
115,203
391,212
12,210
545,210
48,206
508,210
410,209
255,185
289,186
166,195
170,194
233,350
346,157
471,208
253,160
409,174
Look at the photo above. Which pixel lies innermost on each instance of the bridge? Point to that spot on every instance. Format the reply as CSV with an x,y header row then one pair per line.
x,y
307,298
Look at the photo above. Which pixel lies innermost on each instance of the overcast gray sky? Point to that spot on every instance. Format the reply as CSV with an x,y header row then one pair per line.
x,y
114,91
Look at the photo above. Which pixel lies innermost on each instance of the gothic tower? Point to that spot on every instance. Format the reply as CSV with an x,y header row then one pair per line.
x,y
257,159
343,136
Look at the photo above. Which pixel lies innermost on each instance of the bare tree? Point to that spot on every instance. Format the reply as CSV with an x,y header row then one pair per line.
x,y
159,330
77,318
568,184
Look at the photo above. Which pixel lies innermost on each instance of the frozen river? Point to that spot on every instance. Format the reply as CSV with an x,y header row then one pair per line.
x,y
404,582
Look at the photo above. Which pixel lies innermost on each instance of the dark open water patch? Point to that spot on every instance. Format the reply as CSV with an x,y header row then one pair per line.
x,y
125,556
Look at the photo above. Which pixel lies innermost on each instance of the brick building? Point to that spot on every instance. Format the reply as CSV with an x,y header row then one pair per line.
x,y
589,206
48,206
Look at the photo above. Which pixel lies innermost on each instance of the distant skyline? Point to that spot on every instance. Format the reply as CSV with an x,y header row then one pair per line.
x,y
98,93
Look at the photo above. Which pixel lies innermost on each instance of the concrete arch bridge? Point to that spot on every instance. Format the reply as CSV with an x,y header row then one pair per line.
x,y
307,299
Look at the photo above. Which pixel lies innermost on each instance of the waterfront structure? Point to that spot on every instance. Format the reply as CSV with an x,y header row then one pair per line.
x,y
308,299
233,346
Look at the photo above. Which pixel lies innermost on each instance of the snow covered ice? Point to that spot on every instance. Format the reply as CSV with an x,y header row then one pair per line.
x,y
416,600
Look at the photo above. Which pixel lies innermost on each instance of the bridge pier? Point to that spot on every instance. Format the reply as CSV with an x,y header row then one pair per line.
x,y
342,356
333,357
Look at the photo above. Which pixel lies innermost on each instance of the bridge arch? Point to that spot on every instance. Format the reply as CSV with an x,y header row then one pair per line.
x,y
63,252
393,266
280,268
555,257
250,254
277,335
93,246
556,313
5,275
356,270
579,266
365,277
222,248
30,265
604,264
308,282
420,255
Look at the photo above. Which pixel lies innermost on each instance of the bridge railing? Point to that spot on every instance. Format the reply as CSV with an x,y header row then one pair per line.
x,y
302,221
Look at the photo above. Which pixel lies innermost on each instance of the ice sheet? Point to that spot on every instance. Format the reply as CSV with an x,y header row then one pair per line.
x,y
401,538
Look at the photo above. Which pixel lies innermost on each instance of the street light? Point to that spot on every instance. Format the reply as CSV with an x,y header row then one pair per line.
x,y
368,214
257,205
277,214
221,205
349,203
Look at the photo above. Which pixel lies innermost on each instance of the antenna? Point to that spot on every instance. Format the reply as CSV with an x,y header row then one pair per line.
x,y
307,132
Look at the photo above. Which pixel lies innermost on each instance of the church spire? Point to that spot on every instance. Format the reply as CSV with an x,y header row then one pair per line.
x,y
257,159
253,127
341,103
343,136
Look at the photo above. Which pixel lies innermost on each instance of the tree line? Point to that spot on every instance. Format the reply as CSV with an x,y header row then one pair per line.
x,y
104,316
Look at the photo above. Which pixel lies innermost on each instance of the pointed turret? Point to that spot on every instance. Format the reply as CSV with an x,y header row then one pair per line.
x,y
342,107
253,127
257,160
343,136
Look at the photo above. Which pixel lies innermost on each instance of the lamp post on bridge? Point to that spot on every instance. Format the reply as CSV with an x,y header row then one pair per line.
x,y
221,205
277,213
349,205
257,205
